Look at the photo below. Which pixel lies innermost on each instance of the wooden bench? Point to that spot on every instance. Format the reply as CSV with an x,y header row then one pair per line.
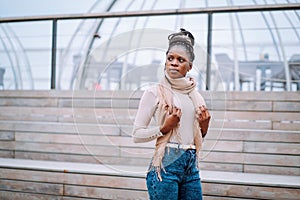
x,y
251,132
32,179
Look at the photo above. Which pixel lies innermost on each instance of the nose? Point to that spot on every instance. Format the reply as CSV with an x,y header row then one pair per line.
x,y
174,62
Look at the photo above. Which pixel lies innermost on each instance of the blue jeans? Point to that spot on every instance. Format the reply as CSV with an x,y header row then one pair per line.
x,y
180,177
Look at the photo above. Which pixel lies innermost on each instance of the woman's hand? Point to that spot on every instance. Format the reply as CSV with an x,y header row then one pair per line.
x,y
203,117
171,121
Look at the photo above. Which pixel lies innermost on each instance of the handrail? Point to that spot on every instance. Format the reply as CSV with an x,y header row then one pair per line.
x,y
250,8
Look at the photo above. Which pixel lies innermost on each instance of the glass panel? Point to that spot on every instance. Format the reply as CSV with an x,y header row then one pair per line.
x,y
255,52
25,54
267,42
129,46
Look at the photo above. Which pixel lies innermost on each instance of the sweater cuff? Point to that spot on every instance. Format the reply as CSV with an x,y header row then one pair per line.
x,y
158,134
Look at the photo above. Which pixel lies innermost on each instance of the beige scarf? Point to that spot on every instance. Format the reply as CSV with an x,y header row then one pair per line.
x,y
165,106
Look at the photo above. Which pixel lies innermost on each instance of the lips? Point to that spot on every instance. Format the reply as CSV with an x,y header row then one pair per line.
x,y
173,70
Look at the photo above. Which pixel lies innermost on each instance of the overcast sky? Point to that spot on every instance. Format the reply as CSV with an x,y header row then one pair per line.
x,y
13,8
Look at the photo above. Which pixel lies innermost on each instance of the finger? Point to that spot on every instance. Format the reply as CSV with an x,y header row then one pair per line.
x,y
200,117
198,110
202,111
203,108
208,114
179,112
204,115
174,111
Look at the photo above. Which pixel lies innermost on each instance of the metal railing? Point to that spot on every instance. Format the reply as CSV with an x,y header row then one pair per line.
x,y
184,11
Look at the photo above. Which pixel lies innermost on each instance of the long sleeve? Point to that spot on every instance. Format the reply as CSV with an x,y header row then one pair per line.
x,y
146,111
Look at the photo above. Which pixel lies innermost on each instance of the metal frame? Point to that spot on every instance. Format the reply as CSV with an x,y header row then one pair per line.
x,y
209,10
292,6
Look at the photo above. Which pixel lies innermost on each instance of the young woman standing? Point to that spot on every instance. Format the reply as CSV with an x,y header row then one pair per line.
x,y
182,122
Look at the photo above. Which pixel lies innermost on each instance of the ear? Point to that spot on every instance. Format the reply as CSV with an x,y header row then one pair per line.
x,y
191,65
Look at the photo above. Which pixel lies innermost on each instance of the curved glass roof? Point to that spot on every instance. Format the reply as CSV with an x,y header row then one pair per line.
x,y
254,50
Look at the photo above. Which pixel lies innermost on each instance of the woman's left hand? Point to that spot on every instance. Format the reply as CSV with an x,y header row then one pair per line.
x,y
203,117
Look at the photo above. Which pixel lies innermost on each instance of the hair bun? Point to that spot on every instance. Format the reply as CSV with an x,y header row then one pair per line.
x,y
189,34
182,35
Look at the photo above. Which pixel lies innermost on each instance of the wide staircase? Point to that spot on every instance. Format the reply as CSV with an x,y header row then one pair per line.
x,y
77,145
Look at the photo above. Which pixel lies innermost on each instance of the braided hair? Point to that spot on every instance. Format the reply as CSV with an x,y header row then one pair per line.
x,y
184,39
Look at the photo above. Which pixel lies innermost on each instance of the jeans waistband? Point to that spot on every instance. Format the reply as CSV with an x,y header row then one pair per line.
x,y
181,146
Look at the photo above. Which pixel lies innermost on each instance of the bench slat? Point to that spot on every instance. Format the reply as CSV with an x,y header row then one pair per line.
x,y
128,112
99,181
241,191
7,154
9,195
272,148
68,149
56,157
7,135
31,102
104,193
32,187
254,135
265,169
287,106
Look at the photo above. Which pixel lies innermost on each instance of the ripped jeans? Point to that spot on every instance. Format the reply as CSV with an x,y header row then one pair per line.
x,y
180,177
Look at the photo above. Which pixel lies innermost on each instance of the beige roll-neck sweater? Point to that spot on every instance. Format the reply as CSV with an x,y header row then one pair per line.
x,y
142,132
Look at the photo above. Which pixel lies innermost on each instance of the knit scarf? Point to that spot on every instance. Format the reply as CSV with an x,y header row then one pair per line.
x,y
165,106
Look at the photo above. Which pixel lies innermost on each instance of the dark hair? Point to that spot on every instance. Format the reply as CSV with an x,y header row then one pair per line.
x,y
183,38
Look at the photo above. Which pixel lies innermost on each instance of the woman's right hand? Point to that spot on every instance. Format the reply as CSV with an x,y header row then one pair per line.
x,y
171,121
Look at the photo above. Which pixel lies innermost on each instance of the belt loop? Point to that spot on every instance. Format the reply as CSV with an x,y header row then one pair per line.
x,y
177,149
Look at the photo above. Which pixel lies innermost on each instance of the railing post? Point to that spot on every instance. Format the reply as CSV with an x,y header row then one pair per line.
x,y
53,55
208,59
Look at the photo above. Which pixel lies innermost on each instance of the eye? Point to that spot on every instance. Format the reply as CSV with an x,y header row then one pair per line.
x,y
181,60
170,58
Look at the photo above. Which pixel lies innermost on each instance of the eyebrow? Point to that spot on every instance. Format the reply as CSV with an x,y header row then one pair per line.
x,y
179,55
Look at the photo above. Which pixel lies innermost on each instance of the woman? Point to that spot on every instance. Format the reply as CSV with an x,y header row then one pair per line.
x,y
182,122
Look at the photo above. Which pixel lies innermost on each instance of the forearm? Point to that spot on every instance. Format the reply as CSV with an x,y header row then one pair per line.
x,y
143,134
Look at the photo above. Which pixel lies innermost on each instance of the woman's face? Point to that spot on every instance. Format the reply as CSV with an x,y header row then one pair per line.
x,y
177,62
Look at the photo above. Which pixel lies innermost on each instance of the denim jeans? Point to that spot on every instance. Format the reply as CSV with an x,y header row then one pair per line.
x,y
180,177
